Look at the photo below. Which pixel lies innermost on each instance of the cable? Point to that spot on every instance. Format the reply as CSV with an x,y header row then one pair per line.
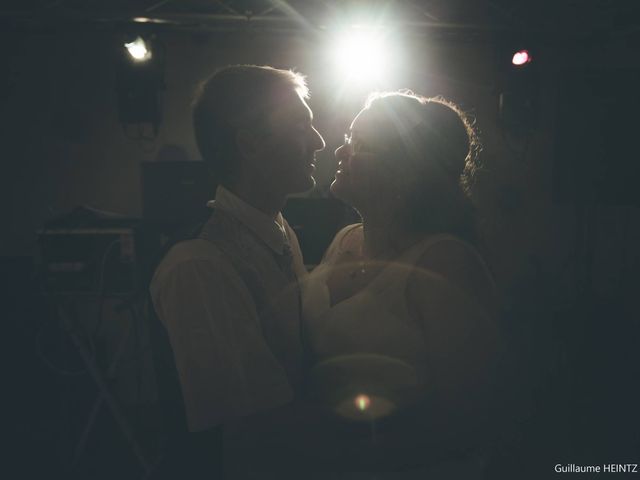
x,y
101,287
103,263
49,363
524,140
138,347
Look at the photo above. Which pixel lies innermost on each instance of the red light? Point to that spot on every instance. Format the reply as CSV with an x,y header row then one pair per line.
x,y
521,57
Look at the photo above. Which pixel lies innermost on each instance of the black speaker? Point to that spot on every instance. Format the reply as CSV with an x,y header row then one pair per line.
x,y
596,149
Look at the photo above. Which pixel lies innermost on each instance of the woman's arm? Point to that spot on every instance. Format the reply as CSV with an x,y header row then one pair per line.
x,y
461,265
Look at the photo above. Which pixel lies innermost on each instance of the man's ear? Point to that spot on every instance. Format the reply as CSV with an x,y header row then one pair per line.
x,y
249,144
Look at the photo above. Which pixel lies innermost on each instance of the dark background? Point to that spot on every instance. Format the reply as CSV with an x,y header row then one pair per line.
x,y
557,194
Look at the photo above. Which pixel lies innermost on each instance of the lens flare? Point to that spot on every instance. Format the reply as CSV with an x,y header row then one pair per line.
x,y
362,402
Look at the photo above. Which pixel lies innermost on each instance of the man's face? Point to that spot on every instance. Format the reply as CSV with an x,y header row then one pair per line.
x,y
286,157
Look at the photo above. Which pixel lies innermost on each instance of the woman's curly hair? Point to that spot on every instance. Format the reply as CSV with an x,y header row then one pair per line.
x,y
432,146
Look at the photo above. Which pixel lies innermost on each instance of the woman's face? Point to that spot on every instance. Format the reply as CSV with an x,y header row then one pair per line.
x,y
362,176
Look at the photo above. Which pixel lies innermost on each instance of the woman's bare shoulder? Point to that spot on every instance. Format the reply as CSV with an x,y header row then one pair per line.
x,y
348,239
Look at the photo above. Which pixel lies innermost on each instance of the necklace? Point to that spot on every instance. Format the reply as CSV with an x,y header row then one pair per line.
x,y
372,266
361,269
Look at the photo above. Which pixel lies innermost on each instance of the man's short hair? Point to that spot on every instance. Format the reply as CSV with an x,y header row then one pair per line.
x,y
234,97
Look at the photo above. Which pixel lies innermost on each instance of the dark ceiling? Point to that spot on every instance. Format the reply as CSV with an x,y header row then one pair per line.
x,y
548,17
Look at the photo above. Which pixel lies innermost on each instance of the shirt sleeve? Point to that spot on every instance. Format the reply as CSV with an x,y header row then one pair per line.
x,y
224,365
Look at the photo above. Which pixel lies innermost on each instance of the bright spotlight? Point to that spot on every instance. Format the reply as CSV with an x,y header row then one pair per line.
x,y
521,57
361,56
149,20
138,50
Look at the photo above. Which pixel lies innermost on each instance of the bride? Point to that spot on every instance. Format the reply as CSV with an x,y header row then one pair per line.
x,y
400,314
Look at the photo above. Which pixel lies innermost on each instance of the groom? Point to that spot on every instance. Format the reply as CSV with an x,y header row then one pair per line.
x,y
229,299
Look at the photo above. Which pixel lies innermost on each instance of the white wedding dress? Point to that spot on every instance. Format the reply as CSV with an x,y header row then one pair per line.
x,y
371,352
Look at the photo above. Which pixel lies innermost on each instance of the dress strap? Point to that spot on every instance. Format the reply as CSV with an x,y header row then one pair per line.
x,y
413,253
403,266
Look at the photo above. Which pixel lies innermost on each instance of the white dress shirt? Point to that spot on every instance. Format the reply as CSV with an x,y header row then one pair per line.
x,y
236,345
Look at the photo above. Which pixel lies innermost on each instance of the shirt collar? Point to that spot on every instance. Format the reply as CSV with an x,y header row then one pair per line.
x,y
271,232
